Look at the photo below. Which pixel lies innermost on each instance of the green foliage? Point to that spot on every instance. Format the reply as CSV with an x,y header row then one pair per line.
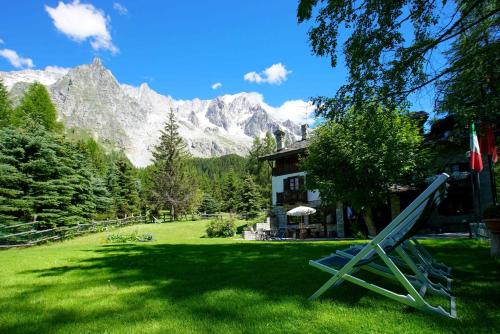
x,y
45,176
209,204
211,173
15,205
230,189
469,90
358,159
221,228
388,46
120,238
261,170
172,186
5,106
123,186
37,108
249,199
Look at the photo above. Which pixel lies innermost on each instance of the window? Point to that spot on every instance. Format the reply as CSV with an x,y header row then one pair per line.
x,y
294,183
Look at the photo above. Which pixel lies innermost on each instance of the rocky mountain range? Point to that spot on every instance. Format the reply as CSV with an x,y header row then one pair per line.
x,y
90,97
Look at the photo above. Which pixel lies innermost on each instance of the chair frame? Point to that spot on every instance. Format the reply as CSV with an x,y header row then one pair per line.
x,y
409,254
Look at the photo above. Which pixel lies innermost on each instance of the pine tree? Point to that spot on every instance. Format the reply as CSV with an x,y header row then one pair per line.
x,y
5,106
229,192
14,185
122,183
209,204
250,201
37,108
172,186
261,170
42,175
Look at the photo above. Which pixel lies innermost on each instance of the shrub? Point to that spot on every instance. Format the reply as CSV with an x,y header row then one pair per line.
x,y
221,228
118,238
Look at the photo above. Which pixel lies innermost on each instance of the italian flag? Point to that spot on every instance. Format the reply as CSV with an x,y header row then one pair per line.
x,y
476,163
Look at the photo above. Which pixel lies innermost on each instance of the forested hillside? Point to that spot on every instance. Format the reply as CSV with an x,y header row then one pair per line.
x,y
58,176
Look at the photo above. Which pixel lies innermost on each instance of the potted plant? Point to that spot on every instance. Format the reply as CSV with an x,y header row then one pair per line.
x,y
491,216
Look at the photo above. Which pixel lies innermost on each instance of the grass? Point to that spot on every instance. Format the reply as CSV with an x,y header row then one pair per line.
x,y
185,283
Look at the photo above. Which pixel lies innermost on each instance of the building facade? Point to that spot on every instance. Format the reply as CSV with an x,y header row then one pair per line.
x,y
289,191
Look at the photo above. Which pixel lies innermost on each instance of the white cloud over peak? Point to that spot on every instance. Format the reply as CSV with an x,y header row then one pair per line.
x,y
296,111
16,60
274,75
217,85
121,9
57,69
80,22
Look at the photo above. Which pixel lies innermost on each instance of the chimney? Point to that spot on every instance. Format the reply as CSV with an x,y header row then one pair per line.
x,y
303,130
280,136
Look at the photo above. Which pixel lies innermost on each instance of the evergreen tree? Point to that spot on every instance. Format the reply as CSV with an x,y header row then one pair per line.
x,y
172,186
14,185
209,204
37,108
123,186
5,106
43,175
261,170
230,188
103,199
249,199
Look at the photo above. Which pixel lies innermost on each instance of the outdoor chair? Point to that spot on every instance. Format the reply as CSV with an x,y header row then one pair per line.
x,y
395,255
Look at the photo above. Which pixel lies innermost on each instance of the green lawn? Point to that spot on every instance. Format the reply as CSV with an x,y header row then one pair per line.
x,y
185,283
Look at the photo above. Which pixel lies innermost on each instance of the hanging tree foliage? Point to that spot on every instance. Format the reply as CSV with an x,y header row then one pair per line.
x,y
389,46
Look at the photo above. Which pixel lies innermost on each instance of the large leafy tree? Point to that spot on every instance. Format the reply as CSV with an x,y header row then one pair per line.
x,y
389,45
469,91
172,186
357,159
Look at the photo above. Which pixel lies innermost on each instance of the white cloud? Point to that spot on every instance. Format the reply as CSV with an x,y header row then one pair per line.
x,y
216,85
1,41
81,22
295,110
57,69
274,75
253,77
121,9
16,60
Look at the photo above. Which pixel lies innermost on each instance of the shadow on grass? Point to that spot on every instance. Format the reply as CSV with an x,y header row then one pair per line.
x,y
259,274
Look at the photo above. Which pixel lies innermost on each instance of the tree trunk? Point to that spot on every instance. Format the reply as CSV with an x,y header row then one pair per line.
x,y
370,225
495,245
172,213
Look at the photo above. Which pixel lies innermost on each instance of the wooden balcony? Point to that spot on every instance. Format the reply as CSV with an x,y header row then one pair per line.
x,y
291,197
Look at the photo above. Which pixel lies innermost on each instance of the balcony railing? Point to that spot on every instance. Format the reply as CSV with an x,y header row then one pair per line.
x,y
291,197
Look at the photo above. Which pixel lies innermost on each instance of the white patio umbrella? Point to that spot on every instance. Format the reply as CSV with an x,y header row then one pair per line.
x,y
301,211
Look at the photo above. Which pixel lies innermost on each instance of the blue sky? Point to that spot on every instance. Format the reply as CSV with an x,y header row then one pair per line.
x,y
180,48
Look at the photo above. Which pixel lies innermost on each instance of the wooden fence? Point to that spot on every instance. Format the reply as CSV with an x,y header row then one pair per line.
x,y
30,234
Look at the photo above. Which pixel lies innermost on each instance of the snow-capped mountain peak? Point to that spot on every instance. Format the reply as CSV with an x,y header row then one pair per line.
x,y
90,97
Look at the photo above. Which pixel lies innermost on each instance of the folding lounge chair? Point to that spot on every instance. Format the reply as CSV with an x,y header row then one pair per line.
x,y
395,250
